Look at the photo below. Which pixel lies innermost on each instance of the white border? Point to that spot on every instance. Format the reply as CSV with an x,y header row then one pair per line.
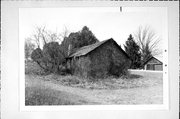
x,y
10,105
164,106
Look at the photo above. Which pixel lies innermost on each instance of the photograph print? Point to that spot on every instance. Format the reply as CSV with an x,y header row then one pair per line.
x,y
93,55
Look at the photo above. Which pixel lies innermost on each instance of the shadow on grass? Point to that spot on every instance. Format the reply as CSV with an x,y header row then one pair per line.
x,y
45,96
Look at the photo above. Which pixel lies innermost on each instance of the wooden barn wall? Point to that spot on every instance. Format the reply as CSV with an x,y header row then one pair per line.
x,y
108,60
80,66
101,61
120,61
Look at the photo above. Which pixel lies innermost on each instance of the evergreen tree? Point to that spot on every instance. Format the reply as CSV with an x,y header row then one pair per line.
x,y
78,39
133,51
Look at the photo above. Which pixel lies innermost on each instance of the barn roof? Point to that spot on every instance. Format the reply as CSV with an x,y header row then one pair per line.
x,y
87,49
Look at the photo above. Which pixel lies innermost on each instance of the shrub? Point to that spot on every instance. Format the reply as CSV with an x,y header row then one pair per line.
x,y
32,67
50,58
53,57
37,55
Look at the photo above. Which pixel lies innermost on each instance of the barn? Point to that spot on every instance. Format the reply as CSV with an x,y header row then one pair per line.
x,y
154,63
99,60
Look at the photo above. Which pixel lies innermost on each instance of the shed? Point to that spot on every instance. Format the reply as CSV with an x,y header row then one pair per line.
x,y
99,60
154,63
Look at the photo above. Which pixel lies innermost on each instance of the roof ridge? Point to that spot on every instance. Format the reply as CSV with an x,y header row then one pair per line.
x,y
88,48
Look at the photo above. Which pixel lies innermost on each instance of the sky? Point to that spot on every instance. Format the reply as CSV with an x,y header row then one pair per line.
x,y
104,22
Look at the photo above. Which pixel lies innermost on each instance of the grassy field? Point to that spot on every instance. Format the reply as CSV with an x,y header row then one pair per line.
x,y
48,96
139,87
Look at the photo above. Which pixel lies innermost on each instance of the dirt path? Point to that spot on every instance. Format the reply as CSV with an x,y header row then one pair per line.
x,y
146,95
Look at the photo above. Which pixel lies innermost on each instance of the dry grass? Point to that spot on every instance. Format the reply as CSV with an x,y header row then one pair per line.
x,y
131,81
48,90
134,79
47,96
39,96
139,87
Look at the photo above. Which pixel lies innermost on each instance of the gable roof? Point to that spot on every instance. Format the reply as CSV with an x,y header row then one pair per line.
x,y
155,57
159,58
87,49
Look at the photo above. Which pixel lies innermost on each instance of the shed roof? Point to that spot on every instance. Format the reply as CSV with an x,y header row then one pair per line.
x,y
87,49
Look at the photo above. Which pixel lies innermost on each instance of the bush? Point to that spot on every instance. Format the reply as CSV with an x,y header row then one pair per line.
x,y
53,57
50,58
32,67
37,55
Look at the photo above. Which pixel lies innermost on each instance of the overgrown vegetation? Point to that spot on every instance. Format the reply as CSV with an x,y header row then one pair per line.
x,y
54,89
124,82
52,56
78,39
31,68
131,80
50,50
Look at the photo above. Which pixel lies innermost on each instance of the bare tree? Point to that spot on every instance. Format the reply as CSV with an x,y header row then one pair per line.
x,y
37,36
65,32
50,56
52,36
29,47
149,43
43,36
42,32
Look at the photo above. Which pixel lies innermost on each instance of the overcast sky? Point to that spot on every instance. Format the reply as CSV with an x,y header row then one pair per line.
x,y
104,22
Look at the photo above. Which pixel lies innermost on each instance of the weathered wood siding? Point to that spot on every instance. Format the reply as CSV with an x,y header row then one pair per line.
x,y
103,61
80,66
108,60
